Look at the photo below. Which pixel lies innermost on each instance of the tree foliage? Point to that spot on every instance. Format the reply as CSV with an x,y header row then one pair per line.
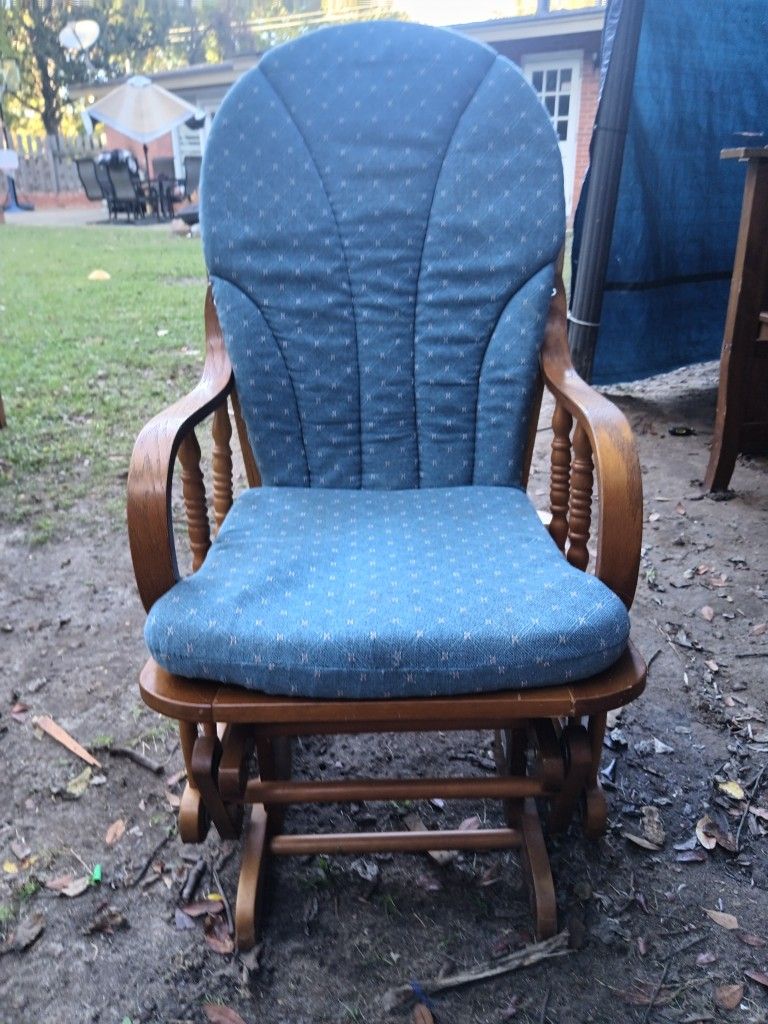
x,y
136,35
130,31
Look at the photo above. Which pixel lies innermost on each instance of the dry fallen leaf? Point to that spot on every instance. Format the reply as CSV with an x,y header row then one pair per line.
x,y
181,920
27,933
750,939
115,832
703,959
59,883
471,824
759,976
691,857
77,786
20,850
643,992
728,997
727,921
662,748
202,907
19,712
704,834
217,936
710,835
653,829
76,888
641,842
218,1014
707,613
421,1015
414,824
109,921
732,789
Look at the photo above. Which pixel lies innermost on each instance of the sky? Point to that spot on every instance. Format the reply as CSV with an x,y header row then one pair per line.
x,y
455,12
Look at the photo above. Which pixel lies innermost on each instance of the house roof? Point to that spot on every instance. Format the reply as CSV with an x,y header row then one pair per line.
x,y
544,26
536,26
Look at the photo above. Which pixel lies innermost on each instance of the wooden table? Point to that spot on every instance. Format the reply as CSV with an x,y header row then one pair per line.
x,y
741,423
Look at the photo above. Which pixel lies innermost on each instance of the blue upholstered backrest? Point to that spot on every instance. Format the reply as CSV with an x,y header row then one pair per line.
x,y
382,206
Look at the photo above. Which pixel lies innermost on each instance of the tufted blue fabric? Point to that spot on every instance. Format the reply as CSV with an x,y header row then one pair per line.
x,y
382,204
362,593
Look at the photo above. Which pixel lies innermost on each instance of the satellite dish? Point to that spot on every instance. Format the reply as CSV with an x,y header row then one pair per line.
x,y
79,35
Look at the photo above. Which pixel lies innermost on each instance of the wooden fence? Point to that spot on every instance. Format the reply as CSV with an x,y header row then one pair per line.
x,y
47,164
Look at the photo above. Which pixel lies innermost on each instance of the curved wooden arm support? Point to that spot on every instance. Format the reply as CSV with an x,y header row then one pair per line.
x,y
620,489
150,526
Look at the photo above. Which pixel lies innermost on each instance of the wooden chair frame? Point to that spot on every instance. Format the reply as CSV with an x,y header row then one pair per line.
x,y
548,740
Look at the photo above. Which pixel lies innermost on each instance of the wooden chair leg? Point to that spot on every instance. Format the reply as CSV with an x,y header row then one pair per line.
x,y
250,886
274,758
510,749
194,822
538,872
595,813
206,755
577,756
193,817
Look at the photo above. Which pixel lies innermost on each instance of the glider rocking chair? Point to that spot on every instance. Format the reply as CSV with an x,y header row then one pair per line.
x,y
382,219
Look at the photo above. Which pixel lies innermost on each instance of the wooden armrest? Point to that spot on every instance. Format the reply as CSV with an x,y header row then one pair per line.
x,y
620,489
150,526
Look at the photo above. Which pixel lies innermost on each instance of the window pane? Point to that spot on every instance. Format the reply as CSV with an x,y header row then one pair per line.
x,y
551,81
549,103
565,76
537,80
563,105
562,130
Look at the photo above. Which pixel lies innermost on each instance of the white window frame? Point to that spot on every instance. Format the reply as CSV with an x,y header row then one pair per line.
x,y
556,59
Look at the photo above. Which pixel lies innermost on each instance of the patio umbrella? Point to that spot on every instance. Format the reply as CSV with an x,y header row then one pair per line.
x,y
142,110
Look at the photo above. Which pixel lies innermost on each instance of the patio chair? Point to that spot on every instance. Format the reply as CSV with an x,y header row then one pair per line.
x,y
86,172
169,187
192,166
128,195
102,176
386,305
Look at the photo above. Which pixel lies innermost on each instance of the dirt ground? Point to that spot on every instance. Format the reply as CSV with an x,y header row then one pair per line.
x,y
341,933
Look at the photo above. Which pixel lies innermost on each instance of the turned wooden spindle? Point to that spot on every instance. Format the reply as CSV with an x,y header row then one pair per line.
x,y
559,487
580,503
193,488
251,469
222,464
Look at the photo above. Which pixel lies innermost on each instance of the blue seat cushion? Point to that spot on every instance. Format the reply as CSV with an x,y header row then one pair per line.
x,y
363,593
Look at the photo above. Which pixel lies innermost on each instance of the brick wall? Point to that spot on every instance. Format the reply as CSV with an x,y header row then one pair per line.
x,y
590,84
158,147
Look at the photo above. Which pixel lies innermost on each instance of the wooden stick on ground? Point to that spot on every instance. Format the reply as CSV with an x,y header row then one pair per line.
x,y
55,731
526,957
138,758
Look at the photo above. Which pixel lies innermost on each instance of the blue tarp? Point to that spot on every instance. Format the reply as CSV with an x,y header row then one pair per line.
x,y
700,83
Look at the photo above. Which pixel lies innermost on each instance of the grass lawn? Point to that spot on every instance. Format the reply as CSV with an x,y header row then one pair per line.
x,y
84,364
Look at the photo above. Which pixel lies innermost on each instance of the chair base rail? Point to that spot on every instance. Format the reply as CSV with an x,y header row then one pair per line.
x,y
396,842
239,774
258,792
